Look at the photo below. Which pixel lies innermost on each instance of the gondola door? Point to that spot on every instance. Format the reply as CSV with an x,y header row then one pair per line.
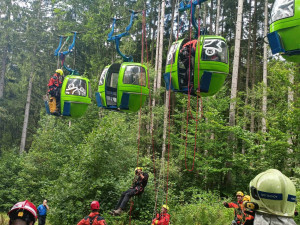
x,y
111,85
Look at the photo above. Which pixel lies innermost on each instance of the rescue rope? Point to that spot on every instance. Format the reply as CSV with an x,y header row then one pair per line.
x,y
169,118
141,100
189,98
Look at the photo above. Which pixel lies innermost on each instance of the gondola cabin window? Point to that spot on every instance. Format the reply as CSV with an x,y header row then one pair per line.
x,y
76,87
135,75
102,77
214,50
172,53
112,80
282,9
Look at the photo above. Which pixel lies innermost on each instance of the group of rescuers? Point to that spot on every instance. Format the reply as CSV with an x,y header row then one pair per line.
x,y
272,202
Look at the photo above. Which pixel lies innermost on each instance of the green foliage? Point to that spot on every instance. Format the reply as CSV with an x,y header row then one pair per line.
x,y
72,162
206,208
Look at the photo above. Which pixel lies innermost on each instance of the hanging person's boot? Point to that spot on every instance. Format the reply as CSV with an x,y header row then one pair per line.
x,y
118,212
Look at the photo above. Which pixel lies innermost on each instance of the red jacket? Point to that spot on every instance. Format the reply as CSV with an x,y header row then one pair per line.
x,y
191,43
98,220
54,82
238,211
161,219
249,217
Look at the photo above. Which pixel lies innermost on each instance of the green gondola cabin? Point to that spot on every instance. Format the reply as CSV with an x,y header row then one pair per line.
x,y
182,69
123,87
285,29
75,96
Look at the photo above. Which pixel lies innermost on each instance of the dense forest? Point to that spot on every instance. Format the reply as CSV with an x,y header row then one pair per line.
x,y
252,124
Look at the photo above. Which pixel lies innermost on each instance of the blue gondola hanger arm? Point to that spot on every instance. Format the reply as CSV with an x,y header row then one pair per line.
x,y
110,37
132,17
183,6
125,57
59,46
117,38
71,46
72,72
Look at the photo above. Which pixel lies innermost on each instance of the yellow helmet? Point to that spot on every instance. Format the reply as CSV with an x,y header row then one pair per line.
x,y
59,71
274,193
246,198
138,168
240,193
166,207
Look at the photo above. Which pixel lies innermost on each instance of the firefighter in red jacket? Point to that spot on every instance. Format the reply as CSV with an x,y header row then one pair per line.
x,y
54,86
187,56
94,218
163,218
249,214
239,217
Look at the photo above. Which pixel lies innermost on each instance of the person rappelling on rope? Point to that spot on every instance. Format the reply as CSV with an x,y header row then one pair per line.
x,y
187,56
138,187
54,87
162,218
239,216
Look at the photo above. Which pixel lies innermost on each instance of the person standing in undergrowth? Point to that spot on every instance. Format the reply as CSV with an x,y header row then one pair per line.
x,y
23,213
273,198
239,217
249,214
94,217
42,212
54,87
138,187
162,218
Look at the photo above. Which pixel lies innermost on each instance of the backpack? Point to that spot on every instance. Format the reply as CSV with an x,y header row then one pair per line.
x,y
99,218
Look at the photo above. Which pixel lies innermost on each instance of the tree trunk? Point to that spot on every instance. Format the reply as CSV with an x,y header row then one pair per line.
x,y
157,48
228,178
156,69
28,100
204,14
236,64
218,17
166,110
252,116
247,73
26,115
290,102
211,16
172,24
3,70
153,34
265,72
161,44
222,28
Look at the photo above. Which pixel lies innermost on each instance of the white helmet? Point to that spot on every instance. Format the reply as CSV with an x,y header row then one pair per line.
x,y
274,193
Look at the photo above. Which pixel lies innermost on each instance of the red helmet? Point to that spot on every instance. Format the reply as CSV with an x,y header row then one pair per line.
x,y
23,210
95,205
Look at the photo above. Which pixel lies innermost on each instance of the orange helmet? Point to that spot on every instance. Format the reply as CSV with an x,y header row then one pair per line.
x,y
23,210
